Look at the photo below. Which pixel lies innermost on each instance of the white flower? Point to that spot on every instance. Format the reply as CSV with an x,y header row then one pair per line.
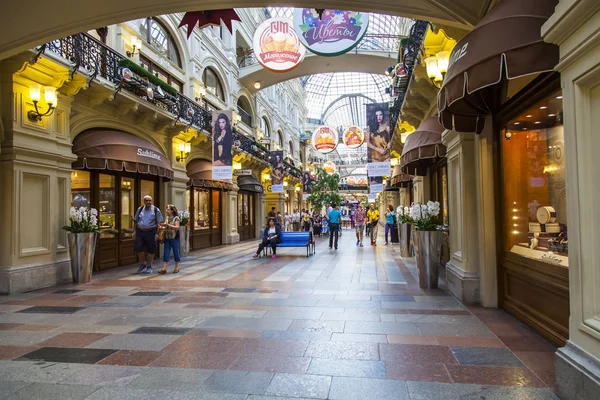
x,y
94,212
433,208
424,211
400,211
72,212
415,212
406,210
93,220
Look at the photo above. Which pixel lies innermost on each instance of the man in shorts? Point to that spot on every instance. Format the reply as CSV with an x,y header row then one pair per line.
x,y
145,234
373,220
359,223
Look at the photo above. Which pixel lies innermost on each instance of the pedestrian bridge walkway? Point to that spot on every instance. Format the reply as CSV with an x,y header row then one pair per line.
x,y
346,324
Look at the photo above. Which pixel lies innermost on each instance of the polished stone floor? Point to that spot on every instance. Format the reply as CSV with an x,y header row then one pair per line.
x,y
346,324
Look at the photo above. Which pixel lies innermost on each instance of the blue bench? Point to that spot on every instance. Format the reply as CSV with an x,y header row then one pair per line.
x,y
295,239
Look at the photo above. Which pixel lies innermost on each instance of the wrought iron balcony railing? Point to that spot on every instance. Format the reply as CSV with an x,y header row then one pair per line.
x,y
85,52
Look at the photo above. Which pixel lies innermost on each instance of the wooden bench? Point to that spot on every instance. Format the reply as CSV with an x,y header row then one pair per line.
x,y
295,239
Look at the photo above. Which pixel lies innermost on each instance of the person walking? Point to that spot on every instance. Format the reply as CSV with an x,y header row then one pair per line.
x,y
334,222
145,234
373,218
288,222
296,220
390,221
272,214
271,235
279,219
171,239
359,218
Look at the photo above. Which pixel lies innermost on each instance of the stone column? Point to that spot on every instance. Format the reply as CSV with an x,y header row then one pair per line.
x,y
462,270
575,28
261,214
421,189
230,213
404,196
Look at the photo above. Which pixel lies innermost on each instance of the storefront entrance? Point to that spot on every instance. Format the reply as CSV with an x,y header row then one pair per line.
x,y
116,197
205,214
246,212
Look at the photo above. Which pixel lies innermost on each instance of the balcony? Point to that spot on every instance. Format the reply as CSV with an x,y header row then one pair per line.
x,y
96,60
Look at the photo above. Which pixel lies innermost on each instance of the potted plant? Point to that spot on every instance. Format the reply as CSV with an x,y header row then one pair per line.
x,y
81,236
184,232
427,240
405,227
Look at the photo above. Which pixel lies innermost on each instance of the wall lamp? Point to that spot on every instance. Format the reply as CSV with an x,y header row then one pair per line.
x,y
49,97
136,45
257,85
200,92
183,151
437,66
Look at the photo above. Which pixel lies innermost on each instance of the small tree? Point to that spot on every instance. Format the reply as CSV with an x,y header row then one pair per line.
x,y
325,190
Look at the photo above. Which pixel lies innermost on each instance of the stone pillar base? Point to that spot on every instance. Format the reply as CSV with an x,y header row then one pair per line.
x,y
465,286
31,277
577,374
231,238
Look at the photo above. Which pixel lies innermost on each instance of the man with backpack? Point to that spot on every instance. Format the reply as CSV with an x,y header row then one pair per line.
x,y
145,234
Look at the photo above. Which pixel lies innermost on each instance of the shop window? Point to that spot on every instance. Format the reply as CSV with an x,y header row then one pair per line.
x,y
80,189
213,83
107,205
128,206
439,188
201,207
216,209
240,207
148,188
534,184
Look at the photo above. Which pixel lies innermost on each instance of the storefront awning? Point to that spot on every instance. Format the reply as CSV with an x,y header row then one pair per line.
x,y
200,174
507,43
399,178
119,151
249,183
423,148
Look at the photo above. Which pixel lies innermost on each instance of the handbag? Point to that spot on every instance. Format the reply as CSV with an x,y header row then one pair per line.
x,y
162,235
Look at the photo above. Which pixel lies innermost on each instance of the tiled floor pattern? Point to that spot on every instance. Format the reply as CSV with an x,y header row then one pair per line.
x,y
346,324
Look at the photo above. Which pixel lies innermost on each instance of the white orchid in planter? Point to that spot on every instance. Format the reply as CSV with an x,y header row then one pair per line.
x,y
82,220
425,216
403,215
185,218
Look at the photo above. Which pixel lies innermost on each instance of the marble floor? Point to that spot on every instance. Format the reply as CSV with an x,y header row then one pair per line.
x,y
346,324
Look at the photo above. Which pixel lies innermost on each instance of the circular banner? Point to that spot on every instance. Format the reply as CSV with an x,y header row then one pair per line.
x,y
325,139
336,32
354,137
329,167
276,45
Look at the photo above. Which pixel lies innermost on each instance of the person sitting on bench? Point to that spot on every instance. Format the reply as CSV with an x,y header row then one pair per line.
x,y
271,236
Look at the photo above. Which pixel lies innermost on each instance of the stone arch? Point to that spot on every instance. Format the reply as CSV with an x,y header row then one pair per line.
x,y
178,36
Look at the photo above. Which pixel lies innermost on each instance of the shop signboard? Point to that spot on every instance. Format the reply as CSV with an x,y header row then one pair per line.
x,y
354,137
329,167
332,33
222,139
276,45
242,172
375,184
325,139
378,139
277,171
265,141
372,197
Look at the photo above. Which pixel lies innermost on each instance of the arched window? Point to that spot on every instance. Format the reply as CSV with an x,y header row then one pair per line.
x,y
213,83
280,139
159,37
245,110
265,128
291,149
161,40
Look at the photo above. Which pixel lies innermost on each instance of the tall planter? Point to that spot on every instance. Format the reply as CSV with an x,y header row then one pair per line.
x,y
184,240
428,247
82,248
406,246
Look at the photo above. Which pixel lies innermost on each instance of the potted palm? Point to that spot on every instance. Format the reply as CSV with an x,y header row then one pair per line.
x,y
184,232
405,227
427,240
82,234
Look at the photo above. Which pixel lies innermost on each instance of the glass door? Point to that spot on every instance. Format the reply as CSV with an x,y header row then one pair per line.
x,y
108,241
217,238
128,209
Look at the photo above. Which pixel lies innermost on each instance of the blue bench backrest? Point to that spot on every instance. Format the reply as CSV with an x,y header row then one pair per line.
x,y
294,237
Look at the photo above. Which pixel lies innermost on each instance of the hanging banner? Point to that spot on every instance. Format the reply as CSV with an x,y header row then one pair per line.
x,y
222,137
378,139
375,184
276,45
277,171
329,167
307,182
332,33
372,197
325,139
354,137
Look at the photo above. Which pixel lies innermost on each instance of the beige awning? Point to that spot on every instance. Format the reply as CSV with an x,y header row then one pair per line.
x,y
506,44
200,174
399,178
423,148
119,151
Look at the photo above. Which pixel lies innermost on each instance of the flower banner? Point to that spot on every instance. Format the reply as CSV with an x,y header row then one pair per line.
x,y
222,137
277,171
378,140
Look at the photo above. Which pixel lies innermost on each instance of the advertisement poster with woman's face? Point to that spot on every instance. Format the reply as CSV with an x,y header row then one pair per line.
x,y
222,138
378,138
307,181
277,171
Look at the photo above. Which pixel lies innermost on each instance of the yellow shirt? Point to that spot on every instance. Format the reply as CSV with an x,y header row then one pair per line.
x,y
372,215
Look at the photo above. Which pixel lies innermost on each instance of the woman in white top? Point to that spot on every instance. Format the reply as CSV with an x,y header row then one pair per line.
x,y
287,221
